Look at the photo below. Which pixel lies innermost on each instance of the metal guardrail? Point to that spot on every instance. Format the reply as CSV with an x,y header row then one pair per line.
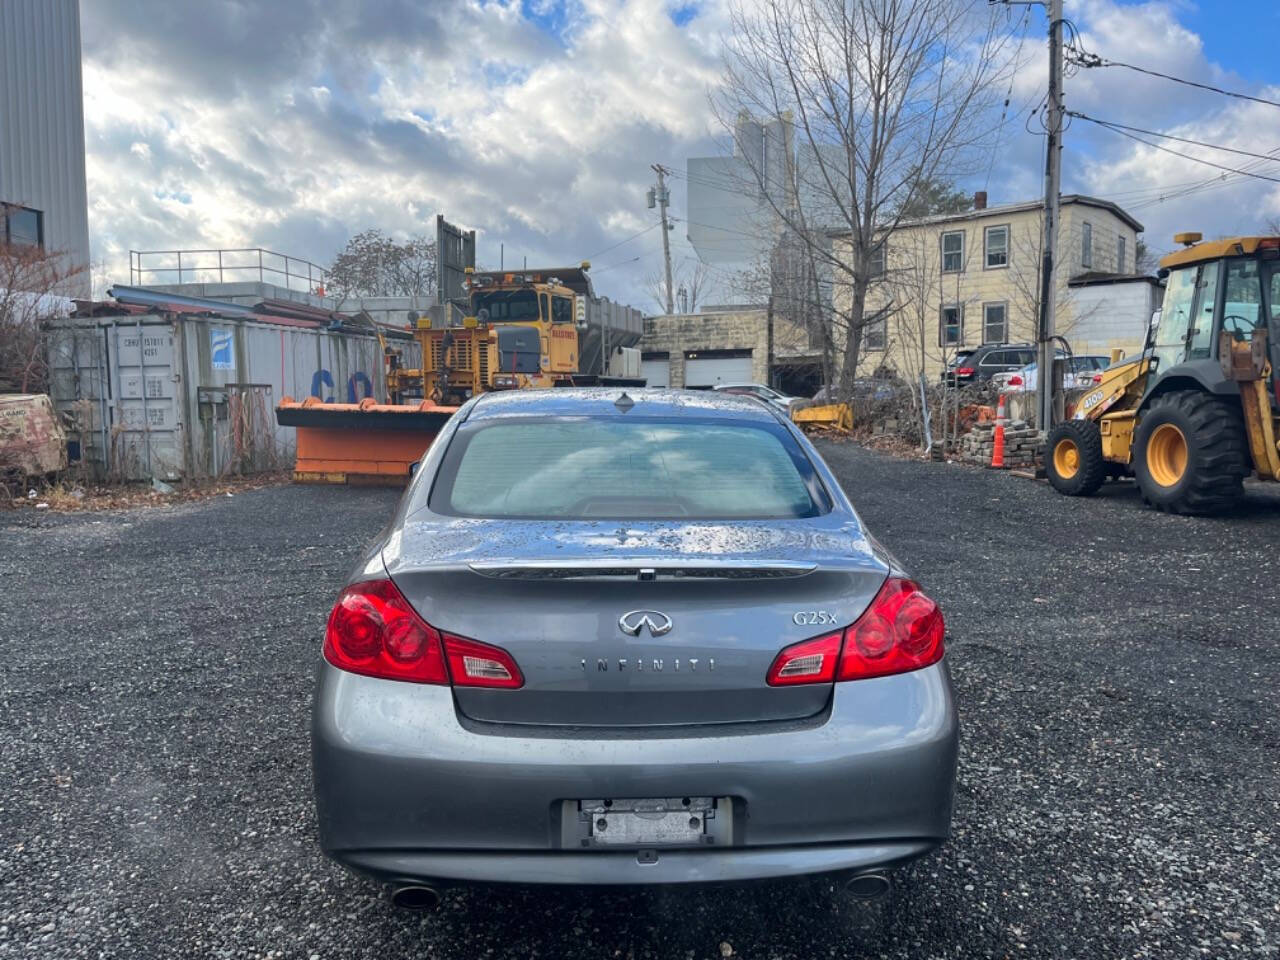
x,y
225,265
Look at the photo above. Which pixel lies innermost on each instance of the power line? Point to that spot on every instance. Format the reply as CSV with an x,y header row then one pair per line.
x,y
1026,22
622,263
1187,156
1090,60
634,236
1168,136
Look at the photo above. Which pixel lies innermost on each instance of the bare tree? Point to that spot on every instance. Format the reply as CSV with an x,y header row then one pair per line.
x,y
694,280
1145,260
911,313
33,288
374,264
1273,226
886,98
690,278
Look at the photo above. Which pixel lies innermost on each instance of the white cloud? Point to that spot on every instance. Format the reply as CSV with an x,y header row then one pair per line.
x,y
356,115
291,126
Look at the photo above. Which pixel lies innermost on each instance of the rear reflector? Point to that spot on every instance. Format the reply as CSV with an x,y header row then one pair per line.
x,y
374,631
902,630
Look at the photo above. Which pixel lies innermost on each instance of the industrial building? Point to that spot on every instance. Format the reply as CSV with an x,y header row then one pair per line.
x,y
43,197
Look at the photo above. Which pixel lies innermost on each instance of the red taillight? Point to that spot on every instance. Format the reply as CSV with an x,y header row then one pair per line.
x,y
964,372
374,631
1097,378
902,630
1015,381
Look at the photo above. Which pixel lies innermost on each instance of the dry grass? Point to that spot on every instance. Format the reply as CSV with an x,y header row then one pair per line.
x,y
65,496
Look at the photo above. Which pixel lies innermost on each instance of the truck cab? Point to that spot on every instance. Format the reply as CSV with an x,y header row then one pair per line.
x,y
531,323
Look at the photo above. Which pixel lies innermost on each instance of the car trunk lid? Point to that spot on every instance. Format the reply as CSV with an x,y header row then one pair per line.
x,y
638,624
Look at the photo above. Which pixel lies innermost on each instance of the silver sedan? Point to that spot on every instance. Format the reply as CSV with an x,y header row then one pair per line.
x,y
640,638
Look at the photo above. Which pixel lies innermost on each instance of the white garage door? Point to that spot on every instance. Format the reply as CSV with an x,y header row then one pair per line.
x,y
708,371
656,373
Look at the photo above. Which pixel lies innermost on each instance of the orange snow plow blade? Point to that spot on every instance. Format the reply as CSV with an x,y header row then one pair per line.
x,y
365,442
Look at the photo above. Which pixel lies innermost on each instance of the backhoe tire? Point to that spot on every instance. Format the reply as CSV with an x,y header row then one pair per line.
x,y
1073,458
1190,453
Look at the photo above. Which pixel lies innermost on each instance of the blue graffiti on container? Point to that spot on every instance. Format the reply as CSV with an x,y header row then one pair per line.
x,y
359,377
321,377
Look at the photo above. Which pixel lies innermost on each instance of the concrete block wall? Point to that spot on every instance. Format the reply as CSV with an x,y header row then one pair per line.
x,y
740,330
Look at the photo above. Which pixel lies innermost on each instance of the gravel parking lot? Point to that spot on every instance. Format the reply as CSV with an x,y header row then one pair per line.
x,y
1119,790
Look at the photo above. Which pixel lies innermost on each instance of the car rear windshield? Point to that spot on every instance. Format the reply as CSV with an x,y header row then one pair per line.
x,y
565,469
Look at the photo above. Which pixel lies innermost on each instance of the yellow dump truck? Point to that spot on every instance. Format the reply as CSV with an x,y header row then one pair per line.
x,y
515,330
519,330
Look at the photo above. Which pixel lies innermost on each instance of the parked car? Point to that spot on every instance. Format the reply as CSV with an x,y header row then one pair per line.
x,y
864,388
645,639
984,362
1079,373
768,394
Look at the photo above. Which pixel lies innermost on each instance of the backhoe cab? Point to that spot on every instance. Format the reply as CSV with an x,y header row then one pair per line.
x,y
1197,411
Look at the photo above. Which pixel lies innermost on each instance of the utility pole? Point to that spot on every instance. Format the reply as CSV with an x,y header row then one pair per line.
x,y
663,198
1048,387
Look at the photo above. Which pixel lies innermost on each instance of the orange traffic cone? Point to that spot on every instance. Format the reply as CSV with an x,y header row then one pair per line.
x,y
997,438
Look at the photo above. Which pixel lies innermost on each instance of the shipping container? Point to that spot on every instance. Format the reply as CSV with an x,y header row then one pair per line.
x,y
183,396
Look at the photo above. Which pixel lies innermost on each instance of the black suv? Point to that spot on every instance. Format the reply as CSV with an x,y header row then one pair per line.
x,y
979,364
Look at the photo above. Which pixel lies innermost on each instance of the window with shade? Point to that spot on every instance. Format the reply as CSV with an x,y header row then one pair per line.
x,y
951,325
953,252
996,242
995,323
875,332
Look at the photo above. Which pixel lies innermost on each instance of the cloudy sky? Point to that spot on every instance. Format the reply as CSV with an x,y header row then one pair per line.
x,y
291,125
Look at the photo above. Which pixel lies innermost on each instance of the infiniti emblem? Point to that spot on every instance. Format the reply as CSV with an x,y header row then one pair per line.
x,y
633,622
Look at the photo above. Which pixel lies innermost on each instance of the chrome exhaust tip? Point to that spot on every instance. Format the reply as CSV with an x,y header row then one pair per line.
x,y
871,885
415,896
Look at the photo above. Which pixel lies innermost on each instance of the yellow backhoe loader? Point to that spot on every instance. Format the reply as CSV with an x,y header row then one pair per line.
x,y
1196,411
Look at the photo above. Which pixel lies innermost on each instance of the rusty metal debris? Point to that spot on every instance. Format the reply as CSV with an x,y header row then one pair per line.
x,y
32,441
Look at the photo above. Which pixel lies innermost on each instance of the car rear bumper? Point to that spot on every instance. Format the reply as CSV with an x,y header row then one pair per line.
x,y
618,868
407,789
